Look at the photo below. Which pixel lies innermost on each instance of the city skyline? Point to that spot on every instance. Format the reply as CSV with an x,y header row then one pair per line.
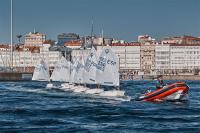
x,y
119,19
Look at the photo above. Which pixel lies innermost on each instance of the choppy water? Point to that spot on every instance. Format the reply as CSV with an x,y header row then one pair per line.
x,y
29,107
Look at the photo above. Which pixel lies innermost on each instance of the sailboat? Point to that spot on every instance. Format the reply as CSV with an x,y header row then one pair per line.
x,y
108,72
61,72
78,78
89,76
41,72
69,85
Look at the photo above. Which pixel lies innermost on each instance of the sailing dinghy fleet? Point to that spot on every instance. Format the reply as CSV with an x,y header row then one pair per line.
x,y
93,75
90,75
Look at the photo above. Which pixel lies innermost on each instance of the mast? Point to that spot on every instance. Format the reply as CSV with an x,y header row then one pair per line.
x,y
92,28
34,31
102,37
119,72
92,33
11,35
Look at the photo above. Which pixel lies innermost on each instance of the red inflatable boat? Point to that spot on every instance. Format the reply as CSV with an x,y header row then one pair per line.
x,y
173,92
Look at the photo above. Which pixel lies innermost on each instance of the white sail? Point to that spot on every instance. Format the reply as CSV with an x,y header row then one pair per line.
x,y
61,71
41,72
108,68
89,76
73,71
78,78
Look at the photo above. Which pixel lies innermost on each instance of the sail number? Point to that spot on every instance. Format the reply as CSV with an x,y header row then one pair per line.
x,y
89,64
102,63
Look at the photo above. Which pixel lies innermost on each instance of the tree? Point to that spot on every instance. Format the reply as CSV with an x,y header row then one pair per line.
x,y
19,38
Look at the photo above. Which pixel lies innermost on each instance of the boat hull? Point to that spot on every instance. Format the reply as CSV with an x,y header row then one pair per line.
x,y
112,93
175,91
80,89
94,91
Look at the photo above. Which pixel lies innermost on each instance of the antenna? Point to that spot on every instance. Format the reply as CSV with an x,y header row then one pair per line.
x,y
102,33
92,28
34,30
11,34
92,33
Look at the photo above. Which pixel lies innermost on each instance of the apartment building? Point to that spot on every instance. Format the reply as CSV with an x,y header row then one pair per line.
x,y
162,57
129,55
185,56
34,39
28,56
147,57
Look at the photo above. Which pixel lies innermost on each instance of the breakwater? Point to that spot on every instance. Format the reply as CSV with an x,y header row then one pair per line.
x,y
15,76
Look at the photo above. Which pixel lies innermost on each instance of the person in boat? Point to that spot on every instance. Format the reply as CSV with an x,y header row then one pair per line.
x,y
160,83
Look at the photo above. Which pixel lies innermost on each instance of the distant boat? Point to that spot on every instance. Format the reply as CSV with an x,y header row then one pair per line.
x,y
41,72
90,72
89,76
68,86
61,71
79,76
108,72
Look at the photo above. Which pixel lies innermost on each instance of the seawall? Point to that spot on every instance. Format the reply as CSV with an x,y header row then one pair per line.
x,y
165,77
15,76
181,77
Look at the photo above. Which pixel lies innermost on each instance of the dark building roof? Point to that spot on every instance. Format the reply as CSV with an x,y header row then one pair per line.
x,y
60,48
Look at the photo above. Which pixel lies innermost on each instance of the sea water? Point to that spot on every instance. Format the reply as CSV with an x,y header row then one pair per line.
x,y
30,107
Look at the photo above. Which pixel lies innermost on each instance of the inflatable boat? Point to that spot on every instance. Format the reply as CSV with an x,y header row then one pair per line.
x,y
174,92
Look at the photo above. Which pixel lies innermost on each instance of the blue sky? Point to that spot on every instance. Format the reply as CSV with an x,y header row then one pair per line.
x,y
121,19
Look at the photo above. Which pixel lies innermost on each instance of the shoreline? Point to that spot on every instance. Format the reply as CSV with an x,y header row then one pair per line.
x,y
181,77
165,77
20,76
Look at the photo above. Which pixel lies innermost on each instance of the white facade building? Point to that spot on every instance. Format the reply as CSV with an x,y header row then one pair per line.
x,y
185,56
34,39
28,58
5,59
162,57
169,58
129,55
77,53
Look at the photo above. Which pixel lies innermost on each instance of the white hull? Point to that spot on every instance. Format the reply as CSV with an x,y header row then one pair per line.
x,y
74,87
112,93
80,89
65,86
50,86
94,91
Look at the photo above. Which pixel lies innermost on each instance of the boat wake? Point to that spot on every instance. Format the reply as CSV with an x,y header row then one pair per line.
x,y
55,92
99,94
